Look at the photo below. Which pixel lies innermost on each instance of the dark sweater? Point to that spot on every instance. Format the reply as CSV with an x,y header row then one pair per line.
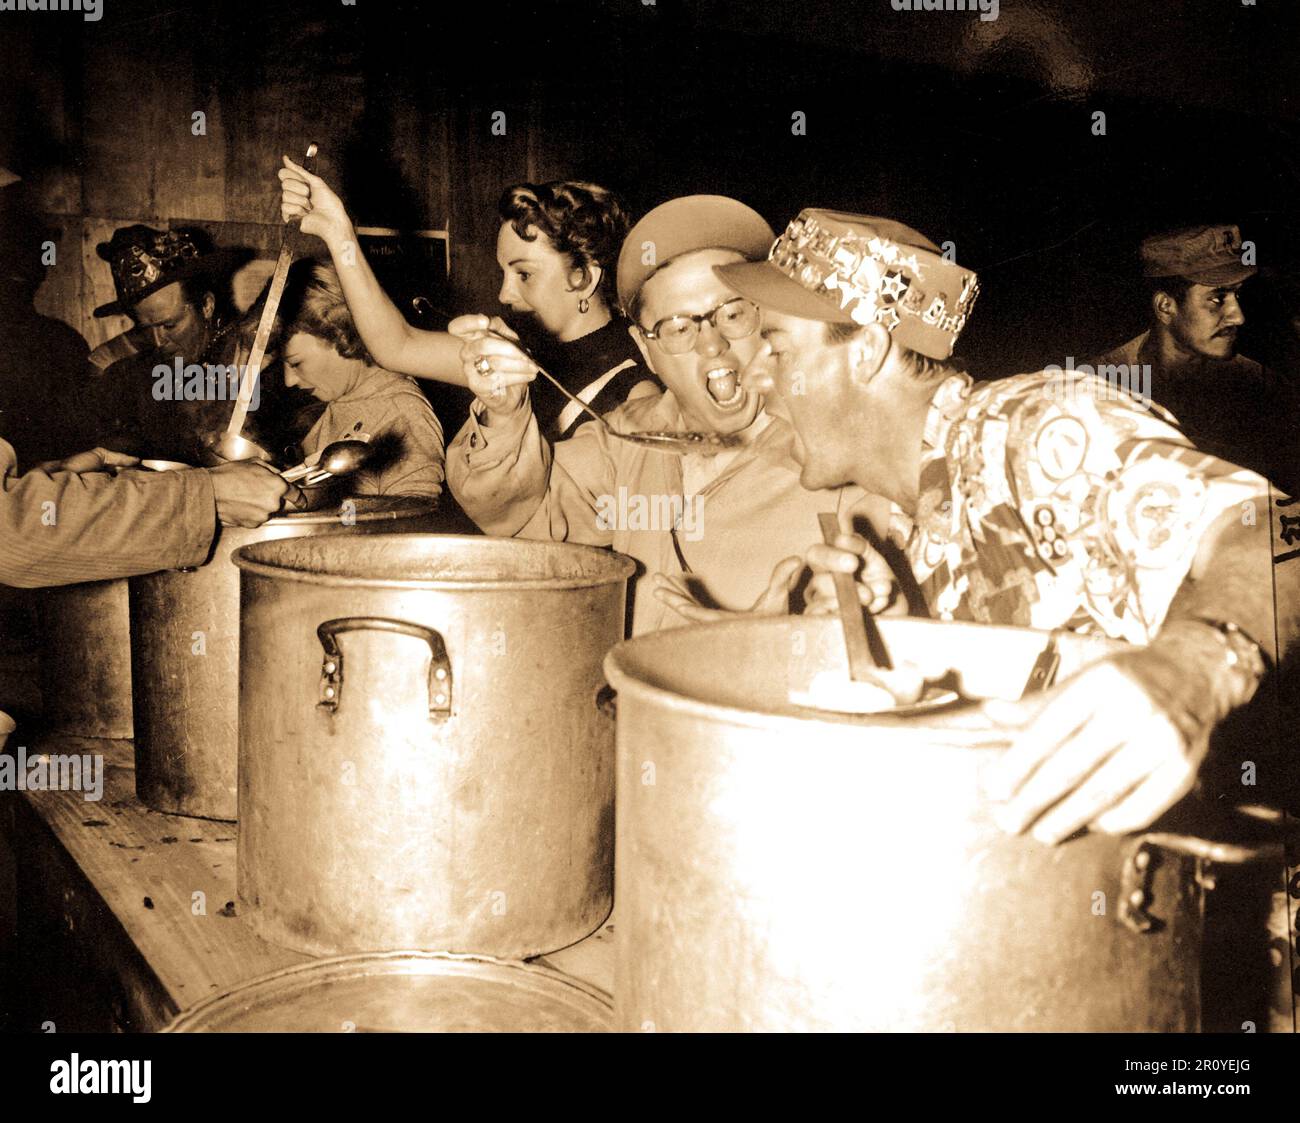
x,y
579,363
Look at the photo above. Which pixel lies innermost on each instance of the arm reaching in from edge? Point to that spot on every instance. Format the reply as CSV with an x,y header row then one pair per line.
x,y
79,523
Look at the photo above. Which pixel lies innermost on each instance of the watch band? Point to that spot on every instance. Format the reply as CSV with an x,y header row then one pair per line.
x,y
1242,647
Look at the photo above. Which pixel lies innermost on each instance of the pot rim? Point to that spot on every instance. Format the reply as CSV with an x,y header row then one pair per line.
x,y
413,961
894,728
794,718
619,567
382,511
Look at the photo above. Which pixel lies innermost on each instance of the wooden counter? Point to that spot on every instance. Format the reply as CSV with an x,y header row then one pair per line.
x,y
127,916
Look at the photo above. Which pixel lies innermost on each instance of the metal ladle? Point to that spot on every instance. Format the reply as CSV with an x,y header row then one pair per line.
x,y
869,658
865,645
682,443
221,447
341,458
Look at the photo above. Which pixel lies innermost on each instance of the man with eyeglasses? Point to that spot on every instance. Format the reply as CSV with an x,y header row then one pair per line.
x,y
720,532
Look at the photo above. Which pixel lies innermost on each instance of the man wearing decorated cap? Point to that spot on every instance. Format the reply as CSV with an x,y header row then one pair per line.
x,y
1043,500
708,530
1226,403
73,521
176,288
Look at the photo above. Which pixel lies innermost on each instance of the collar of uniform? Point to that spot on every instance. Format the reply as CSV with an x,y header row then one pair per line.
x,y
948,403
376,383
764,440
768,436
772,437
652,412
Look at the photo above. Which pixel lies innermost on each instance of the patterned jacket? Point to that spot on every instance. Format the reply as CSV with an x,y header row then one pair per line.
x,y
1055,500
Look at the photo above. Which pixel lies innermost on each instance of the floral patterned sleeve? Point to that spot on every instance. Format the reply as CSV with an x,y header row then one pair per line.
x,y
1060,501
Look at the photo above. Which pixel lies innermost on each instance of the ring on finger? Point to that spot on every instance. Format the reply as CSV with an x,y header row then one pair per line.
x,y
483,365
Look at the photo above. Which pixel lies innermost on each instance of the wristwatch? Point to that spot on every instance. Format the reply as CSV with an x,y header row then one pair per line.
x,y
1246,659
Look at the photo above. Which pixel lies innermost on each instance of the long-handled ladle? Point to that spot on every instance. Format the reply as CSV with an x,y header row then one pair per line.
x,y
865,644
229,443
682,443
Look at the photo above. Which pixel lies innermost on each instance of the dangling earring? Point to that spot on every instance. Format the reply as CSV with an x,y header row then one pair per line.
x,y
584,305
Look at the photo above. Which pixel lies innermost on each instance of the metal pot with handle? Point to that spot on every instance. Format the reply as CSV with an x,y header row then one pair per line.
x,y
85,658
185,656
785,868
422,762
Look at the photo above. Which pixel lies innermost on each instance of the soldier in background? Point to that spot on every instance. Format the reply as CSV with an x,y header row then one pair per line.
x,y
1227,404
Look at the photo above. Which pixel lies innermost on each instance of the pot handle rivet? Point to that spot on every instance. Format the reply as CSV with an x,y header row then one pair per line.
x,y
1135,888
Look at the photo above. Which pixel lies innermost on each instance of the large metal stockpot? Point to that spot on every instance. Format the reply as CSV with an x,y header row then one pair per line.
x,y
85,659
185,656
780,868
423,763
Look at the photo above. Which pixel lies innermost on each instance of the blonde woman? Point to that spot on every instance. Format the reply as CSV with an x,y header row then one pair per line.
x,y
324,354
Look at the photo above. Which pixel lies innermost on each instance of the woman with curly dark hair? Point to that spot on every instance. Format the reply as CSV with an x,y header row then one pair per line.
x,y
556,248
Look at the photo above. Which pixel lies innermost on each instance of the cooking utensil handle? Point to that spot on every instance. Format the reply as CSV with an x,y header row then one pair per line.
x,y
577,401
253,368
292,475
331,682
865,646
1043,672
1136,882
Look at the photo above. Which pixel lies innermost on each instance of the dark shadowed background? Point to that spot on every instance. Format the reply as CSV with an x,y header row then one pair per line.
x,y
976,132
979,133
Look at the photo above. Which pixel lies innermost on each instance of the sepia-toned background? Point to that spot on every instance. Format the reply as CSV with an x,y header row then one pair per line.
x,y
977,132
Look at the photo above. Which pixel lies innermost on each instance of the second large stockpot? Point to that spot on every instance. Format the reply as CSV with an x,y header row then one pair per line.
x,y
85,665
783,868
185,656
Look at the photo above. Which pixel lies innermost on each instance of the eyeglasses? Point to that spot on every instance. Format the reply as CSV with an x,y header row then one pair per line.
x,y
733,319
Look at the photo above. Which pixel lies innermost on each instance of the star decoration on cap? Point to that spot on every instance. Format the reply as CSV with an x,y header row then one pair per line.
x,y
893,285
920,296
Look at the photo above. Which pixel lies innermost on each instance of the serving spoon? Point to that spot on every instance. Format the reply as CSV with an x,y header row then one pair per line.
x,y
684,442
341,458
873,677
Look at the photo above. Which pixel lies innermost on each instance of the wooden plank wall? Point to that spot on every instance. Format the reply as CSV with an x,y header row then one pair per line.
x,y
404,150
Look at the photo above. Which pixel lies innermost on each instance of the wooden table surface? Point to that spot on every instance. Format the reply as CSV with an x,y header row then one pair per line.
x,y
140,906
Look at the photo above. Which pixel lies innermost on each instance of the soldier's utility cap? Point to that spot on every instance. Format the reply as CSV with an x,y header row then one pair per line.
x,y
683,225
1205,255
